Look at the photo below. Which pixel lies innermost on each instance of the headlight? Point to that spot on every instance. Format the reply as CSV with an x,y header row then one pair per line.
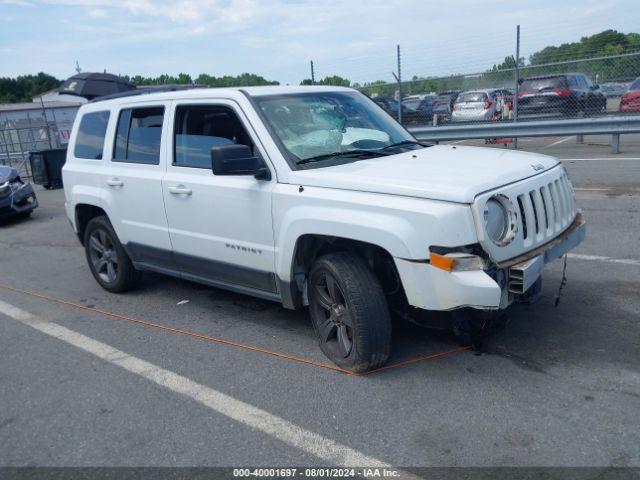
x,y
16,185
12,186
500,220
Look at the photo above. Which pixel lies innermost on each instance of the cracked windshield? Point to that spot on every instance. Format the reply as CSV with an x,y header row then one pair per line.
x,y
319,126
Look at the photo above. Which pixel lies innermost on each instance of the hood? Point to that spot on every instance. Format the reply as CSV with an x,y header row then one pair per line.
x,y
7,173
442,172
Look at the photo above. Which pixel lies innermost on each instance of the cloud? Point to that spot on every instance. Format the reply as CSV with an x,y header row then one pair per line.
x,y
192,12
18,3
98,13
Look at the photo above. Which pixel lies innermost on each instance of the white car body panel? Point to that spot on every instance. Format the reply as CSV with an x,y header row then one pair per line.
x,y
222,215
397,224
441,172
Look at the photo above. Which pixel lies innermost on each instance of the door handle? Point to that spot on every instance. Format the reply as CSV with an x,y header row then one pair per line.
x,y
115,182
180,190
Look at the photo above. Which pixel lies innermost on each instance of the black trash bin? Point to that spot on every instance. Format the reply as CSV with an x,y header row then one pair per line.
x,y
46,167
38,168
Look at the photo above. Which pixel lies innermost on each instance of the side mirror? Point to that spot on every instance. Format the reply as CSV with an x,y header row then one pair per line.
x,y
237,160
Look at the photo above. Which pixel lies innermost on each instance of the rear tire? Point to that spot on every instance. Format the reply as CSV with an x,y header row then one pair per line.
x,y
349,312
108,262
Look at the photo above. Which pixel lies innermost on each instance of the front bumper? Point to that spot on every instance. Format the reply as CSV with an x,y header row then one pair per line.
x,y
476,116
22,200
431,288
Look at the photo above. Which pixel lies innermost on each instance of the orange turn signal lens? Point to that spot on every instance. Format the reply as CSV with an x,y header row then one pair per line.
x,y
441,262
456,262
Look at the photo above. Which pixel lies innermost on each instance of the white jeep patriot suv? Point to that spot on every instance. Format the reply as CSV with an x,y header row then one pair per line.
x,y
311,196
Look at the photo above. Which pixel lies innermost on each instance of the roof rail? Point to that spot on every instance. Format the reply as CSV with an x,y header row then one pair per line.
x,y
146,90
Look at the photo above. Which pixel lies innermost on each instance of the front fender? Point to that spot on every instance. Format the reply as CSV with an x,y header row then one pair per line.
x,y
382,230
405,227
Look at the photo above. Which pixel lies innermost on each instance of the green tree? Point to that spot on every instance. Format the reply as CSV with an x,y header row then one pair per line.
x,y
24,87
335,81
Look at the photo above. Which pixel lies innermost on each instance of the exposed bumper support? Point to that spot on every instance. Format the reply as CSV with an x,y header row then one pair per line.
x,y
524,274
557,247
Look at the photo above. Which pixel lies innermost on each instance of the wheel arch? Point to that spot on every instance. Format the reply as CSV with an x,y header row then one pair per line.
x,y
84,212
311,246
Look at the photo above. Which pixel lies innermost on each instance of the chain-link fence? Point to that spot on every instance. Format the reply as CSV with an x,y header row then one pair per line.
x,y
567,88
27,128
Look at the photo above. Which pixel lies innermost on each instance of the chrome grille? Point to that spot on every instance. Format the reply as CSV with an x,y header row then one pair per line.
x,y
546,210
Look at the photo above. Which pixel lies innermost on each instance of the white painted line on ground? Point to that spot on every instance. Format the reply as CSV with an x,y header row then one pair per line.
x,y
278,428
598,159
558,142
599,258
15,312
459,141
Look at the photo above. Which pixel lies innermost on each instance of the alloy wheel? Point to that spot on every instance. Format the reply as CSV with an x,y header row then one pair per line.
x,y
104,257
335,325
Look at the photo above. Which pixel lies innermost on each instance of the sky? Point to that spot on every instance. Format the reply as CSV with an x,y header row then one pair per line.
x,y
278,38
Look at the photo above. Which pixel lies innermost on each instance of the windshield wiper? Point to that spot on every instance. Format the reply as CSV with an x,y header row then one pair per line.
x,y
405,142
346,153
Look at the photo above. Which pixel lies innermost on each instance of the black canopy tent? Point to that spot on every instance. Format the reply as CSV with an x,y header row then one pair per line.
x,y
93,85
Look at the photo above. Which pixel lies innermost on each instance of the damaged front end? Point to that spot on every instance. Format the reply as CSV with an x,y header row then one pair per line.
x,y
518,279
16,196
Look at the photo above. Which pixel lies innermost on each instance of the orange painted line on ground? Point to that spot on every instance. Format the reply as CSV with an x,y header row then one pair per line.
x,y
222,341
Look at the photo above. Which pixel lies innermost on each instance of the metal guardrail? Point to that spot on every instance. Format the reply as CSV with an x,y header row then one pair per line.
x,y
614,126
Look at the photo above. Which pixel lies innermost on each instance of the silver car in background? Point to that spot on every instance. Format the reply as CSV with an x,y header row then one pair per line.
x,y
477,106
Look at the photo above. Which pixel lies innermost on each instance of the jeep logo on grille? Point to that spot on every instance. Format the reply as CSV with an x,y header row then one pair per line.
x,y
537,166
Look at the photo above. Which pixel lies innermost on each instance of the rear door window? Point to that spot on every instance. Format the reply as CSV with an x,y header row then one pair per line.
x,y
90,138
537,85
470,97
412,104
138,135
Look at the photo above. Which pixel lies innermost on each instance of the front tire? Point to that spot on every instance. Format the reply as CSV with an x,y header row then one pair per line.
x,y
108,262
349,312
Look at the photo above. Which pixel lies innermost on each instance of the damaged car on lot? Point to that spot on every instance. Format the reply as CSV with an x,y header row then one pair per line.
x,y
315,198
17,197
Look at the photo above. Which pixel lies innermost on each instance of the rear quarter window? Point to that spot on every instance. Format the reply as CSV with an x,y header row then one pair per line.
x,y
90,137
472,97
536,85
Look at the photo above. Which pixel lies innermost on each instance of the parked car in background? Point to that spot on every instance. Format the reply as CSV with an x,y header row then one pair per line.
x,y
613,89
389,105
505,97
443,105
418,109
566,94
17,198
477,106
630,101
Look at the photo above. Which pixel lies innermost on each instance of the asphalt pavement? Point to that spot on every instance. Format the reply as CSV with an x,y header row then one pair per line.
x,y
179,374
